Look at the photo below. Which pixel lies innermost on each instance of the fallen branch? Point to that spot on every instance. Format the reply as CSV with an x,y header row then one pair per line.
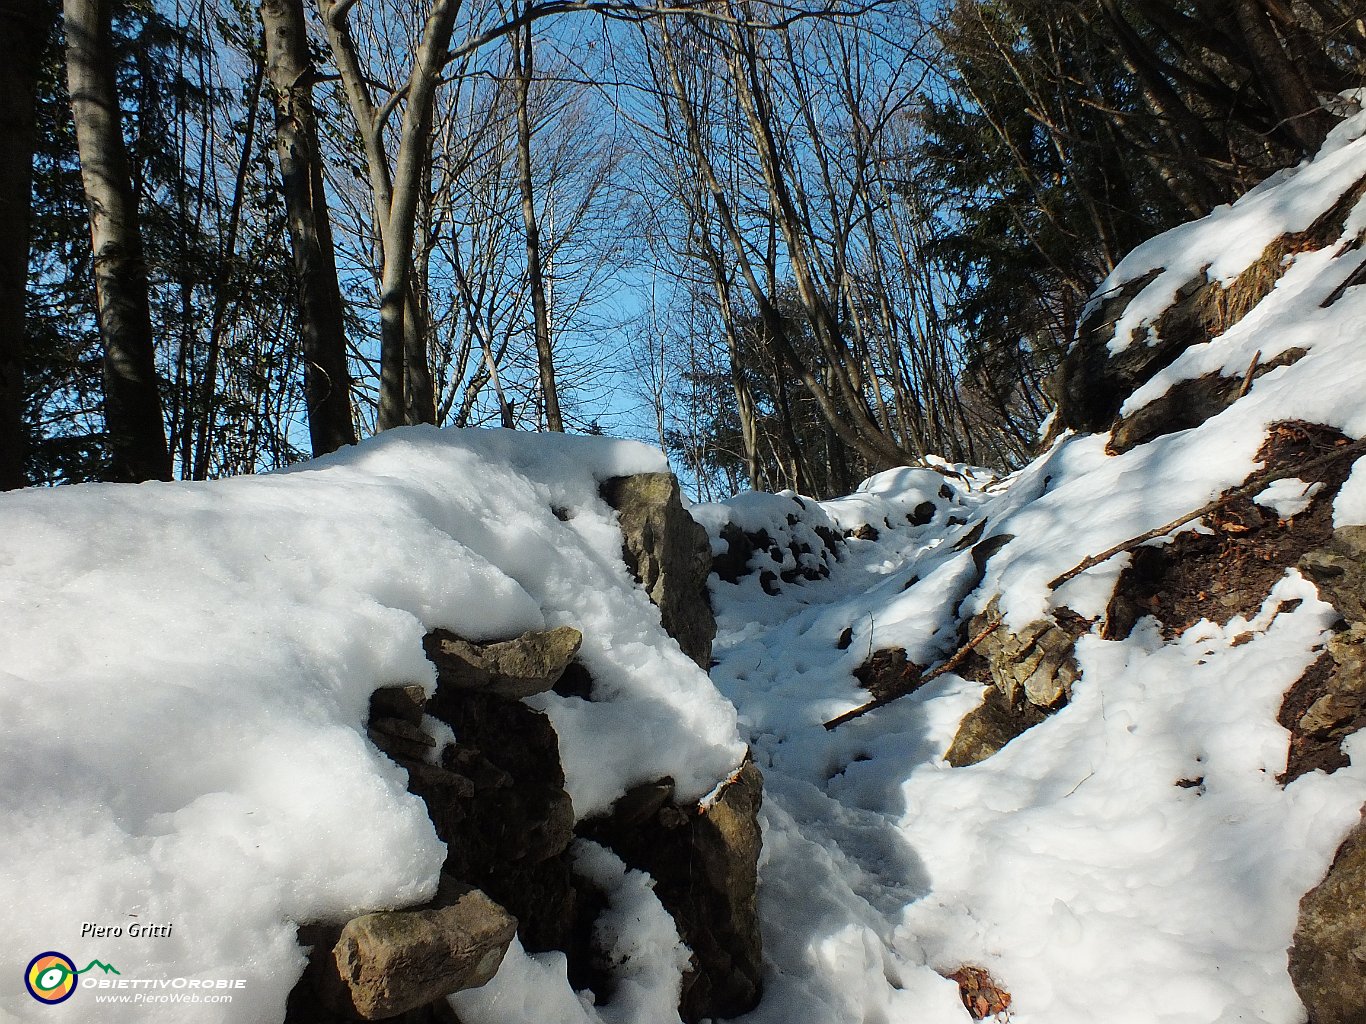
x,y
954,661
1251,373
1256,484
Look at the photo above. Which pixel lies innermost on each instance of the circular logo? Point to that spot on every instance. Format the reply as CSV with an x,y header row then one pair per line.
x,y
50,977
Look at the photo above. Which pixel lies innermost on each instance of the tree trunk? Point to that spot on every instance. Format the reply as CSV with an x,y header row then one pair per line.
x,y
27,25
1284,84
522,65
414,150
327,380
132,403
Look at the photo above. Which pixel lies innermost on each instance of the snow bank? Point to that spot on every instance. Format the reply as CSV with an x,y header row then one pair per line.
x,y
186,673
1132,858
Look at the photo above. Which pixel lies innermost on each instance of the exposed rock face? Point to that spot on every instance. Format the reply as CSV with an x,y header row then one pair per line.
x,y
1031,673
508,833
1093,383
381,965
704,860
669,554
1188,404
529,664
496,797
989,727
1328,958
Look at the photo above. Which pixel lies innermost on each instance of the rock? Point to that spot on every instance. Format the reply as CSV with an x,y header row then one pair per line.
x,y
668,553
1338,569
521,667
921,514
704,860
1187,404
1328,957
1035,663
406,703
989,727
887,673
510,834
385,964
1093,382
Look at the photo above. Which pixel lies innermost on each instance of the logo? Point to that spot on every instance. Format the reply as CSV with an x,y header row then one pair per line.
x,y
51,977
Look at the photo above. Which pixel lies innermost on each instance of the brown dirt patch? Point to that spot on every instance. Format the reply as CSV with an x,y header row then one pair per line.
x,y
981,993
887,674
1230,571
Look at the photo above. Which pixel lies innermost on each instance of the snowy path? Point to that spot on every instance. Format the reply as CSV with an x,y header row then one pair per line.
x,y
838,869
1073,864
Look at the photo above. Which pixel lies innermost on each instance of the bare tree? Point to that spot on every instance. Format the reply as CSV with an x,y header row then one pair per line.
x,y
132,406
327,380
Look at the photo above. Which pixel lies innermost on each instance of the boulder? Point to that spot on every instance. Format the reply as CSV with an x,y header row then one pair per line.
x,y
1031,674
704,859
1338,570
509,834
385,964
1328,958
989,727
1035,664
668,553
521,667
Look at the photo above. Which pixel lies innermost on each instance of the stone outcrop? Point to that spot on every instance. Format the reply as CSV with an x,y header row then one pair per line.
x,y
669,554
522,667
379,966
1328,958
1188,404
704,859
1093,382
1031,674
989,727
496,798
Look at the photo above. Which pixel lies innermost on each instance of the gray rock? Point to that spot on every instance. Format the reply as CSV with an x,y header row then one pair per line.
x,y
516,668
1328,958
1035,664
989,727
704,861
406,703
384,964
668,553
1339,571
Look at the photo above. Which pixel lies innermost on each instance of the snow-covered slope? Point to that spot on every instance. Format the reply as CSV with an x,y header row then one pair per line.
x,y
1132,857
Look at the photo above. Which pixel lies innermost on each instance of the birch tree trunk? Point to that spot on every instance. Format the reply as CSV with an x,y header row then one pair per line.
x,y
132,402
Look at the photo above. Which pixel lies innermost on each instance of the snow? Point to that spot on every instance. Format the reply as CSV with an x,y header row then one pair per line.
x,y
1288,497
1132,858
187,671
187,668
637,939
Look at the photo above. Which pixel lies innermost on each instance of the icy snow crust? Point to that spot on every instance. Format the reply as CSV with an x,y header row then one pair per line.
x,y
186,674
1070,864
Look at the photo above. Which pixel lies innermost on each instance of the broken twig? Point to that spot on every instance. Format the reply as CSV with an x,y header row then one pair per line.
x,y
1257,483
953,662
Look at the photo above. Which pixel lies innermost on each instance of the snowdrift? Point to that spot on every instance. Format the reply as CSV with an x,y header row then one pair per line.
x,y
186,676
1168,754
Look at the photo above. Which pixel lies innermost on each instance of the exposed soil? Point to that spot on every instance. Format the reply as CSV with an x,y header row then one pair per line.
x,y
1230,571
